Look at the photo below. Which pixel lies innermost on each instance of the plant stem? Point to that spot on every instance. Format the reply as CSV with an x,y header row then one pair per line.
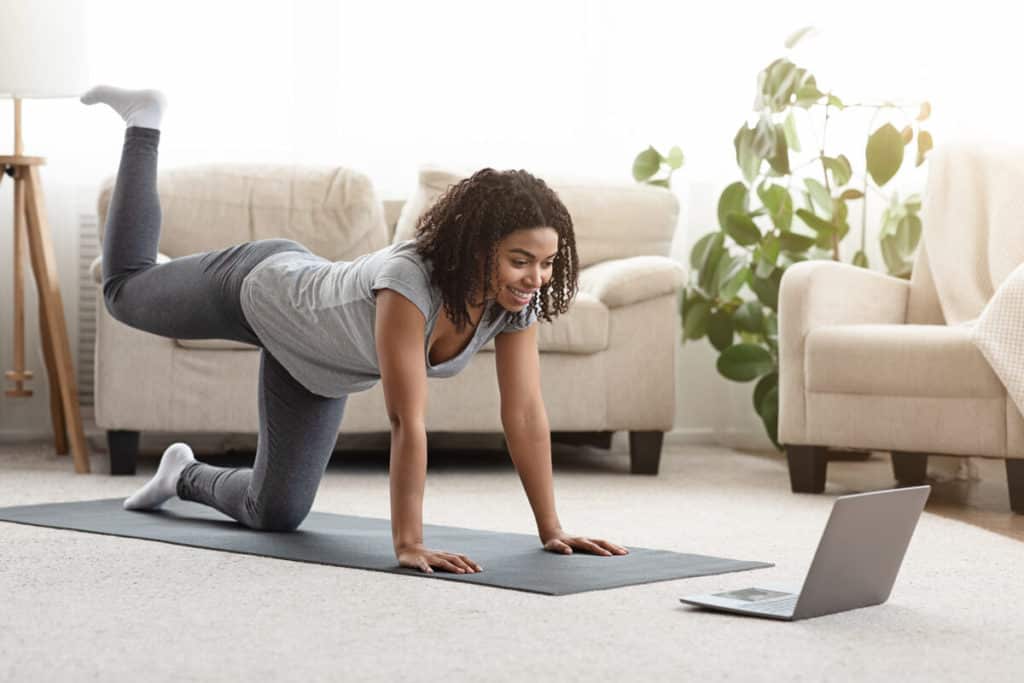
x,y
828,186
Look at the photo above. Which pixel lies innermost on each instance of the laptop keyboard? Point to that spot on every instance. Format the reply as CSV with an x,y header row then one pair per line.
x,y
783,606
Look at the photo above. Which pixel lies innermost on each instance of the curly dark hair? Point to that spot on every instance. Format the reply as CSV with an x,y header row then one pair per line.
x,y
466,223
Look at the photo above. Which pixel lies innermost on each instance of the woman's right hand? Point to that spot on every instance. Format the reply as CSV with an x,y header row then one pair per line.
x,y
422,558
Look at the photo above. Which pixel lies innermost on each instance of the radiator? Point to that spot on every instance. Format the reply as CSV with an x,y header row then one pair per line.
x,y
88,249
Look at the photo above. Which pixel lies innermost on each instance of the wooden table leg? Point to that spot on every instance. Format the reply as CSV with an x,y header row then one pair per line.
x,y
44,267
56,411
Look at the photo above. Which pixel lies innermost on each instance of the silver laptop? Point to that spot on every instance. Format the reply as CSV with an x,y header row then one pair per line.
x,y
857,560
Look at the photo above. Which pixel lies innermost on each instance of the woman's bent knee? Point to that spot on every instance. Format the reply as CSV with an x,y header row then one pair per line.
x,y
279,520
112,300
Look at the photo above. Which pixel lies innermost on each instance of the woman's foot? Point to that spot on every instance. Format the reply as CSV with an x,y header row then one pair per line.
x,y
142,108
164,484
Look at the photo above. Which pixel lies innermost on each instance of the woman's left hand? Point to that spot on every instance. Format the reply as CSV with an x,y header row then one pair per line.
x,y
565,543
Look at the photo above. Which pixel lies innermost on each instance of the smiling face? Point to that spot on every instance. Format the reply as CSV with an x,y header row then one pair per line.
x,y
524,265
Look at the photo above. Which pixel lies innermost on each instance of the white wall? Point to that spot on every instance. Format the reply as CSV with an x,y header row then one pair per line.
x,y
559,88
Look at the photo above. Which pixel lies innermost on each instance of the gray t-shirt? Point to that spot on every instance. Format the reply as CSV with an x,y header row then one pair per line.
x,y
317,316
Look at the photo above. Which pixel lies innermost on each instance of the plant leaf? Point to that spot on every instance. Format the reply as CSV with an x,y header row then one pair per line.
x,y
924,145
749,317
840,169
699,253
695,323
791,241
779,203
819,195
745,362
796,36
884,154
767,289
816,223
926,110
734,199
790,131
731,276
742,228
675,157
720,330
779,160
764,385
646,164
851,194
746,158
707,277
860,259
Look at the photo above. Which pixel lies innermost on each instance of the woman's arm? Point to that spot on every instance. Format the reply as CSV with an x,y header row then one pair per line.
x,y
525,421
400,338
399,334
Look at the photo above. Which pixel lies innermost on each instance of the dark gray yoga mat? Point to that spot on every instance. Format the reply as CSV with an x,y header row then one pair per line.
x,y
514,561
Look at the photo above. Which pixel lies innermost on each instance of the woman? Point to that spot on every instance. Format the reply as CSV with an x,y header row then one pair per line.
x,y
329,329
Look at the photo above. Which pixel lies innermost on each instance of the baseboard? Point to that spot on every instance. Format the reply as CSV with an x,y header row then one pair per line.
x,y
97,438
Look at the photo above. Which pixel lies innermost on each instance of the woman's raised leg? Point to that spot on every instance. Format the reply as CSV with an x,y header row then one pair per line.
x,y
191,297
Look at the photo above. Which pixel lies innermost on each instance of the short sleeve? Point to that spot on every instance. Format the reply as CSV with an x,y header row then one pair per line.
x,y
408,278
513,324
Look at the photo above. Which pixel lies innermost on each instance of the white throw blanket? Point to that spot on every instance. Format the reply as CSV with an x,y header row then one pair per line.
x,y
999,335
972,214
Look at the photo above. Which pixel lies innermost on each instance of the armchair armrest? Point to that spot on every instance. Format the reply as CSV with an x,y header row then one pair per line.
x,y
621,282
96,267
817,293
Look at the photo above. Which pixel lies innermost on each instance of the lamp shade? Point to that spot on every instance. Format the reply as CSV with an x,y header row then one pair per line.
x,y
42,48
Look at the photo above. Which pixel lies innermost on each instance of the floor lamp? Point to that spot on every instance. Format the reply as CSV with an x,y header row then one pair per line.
x,y
42,55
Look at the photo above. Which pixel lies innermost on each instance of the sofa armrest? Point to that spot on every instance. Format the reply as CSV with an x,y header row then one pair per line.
x,y
817,293
621,282
96,268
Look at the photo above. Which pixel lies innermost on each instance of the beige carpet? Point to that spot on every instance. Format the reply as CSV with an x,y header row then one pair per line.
x,y
77,606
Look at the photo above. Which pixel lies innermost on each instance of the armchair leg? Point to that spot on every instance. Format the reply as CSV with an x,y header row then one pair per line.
x,y
807,466
910,469
1015,482
123,447
645,452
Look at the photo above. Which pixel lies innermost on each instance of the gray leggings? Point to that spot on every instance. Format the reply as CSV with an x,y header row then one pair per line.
x,y
197,297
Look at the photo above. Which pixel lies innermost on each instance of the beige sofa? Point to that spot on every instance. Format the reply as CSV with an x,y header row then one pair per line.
x,y
607,365
868,361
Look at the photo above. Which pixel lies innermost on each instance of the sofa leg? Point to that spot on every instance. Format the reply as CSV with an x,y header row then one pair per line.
x,y
910,469
1015,482
123,447
645,452
807,467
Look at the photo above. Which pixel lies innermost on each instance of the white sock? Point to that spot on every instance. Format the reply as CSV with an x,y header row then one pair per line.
x,y
143,108
164,484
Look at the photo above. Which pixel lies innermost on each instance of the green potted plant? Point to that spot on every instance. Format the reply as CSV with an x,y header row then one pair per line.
x,y
790,205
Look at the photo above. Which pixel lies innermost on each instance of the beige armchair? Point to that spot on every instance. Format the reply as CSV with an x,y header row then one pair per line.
x,y
598,375
873,362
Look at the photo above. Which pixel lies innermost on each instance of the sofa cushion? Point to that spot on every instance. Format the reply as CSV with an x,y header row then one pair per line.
x,y
610,220
898,360
582,330
333,211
